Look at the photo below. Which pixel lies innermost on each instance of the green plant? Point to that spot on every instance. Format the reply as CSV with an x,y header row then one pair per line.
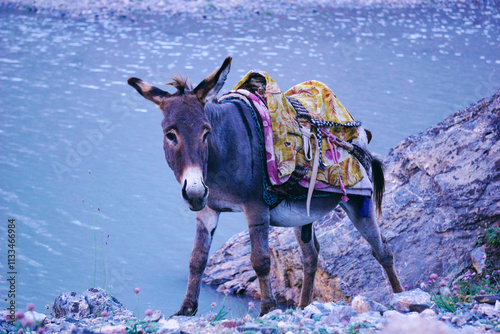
x,y
136,291
222,312
446,296
98,251
492,236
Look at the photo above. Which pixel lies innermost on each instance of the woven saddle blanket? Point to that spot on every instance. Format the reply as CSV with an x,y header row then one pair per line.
x,y
283,137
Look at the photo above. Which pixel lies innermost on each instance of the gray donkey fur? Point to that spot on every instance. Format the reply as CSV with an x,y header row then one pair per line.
x,y
213,150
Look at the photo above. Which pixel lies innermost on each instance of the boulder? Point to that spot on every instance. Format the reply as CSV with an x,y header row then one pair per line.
x,y
442,191
478,258
362,304
413,324
100,300
35,317
110,329
340,314
89,304
71,304
407,301
490,299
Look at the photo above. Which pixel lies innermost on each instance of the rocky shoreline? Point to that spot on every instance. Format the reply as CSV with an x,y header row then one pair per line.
x,y
96,311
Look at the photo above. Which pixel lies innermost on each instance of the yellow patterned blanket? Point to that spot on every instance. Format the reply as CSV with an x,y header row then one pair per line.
x,y
283,138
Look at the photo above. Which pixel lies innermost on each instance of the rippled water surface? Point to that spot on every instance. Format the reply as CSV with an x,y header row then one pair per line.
x,y
82,168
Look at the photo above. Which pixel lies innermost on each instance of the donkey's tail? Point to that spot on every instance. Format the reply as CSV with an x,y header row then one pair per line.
x,y
378,183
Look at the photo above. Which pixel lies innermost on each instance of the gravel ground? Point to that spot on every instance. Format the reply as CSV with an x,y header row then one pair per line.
x,y
318,317
96,311
196,8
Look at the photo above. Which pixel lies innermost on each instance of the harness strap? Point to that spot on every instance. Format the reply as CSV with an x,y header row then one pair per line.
x,y
299,109
314,175
306,142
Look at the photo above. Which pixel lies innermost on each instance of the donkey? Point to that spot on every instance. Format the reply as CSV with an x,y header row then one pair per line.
x,y
213,149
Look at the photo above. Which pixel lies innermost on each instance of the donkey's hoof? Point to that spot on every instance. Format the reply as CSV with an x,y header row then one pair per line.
x,y
187,310
267,306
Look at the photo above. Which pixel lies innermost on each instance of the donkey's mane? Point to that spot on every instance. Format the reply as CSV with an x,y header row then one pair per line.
x,y
182,84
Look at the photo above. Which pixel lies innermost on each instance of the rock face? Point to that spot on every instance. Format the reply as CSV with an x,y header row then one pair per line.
x,y
442,191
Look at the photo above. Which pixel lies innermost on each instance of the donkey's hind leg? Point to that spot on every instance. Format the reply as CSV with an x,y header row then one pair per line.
x,y
369,230
309,245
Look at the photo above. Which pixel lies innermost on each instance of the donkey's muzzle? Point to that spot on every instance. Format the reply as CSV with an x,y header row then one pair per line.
x,y
195,196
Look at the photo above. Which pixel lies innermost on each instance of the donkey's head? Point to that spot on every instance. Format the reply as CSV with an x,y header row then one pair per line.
x,y
186,129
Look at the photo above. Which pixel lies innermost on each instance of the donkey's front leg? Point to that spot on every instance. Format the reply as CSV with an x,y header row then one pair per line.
x,y
206,222
257,215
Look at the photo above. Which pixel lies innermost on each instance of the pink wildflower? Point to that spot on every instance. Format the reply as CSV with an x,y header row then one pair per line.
x,y
455,287
487,276
104,314
442,283
251,305
137,290
149,312
482,292
433,277
406,287
30,307
6,316
20,315
214,304
27,322
226,291
423,286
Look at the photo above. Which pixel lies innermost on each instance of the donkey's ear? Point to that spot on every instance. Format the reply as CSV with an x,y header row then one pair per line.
x,y
150,92
208,88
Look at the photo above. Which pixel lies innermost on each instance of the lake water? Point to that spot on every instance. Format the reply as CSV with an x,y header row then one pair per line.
x,y
82,168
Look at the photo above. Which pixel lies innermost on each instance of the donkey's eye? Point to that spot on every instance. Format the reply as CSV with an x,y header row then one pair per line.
x,y
205,136
171,136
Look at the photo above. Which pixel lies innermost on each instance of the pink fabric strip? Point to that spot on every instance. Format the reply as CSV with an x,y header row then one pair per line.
x,y
331,138
272,166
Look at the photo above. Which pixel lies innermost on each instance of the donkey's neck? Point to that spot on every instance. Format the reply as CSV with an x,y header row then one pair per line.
x,y
234,158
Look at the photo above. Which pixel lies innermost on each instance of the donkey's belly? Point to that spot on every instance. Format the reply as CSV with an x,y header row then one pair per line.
x,y
292,214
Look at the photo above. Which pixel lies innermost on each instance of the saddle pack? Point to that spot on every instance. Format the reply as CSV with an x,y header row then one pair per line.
x,y
310,139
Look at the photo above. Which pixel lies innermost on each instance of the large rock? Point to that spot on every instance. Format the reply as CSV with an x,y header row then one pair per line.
x,y
407,301
71,304
100,300
89,304
442,190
